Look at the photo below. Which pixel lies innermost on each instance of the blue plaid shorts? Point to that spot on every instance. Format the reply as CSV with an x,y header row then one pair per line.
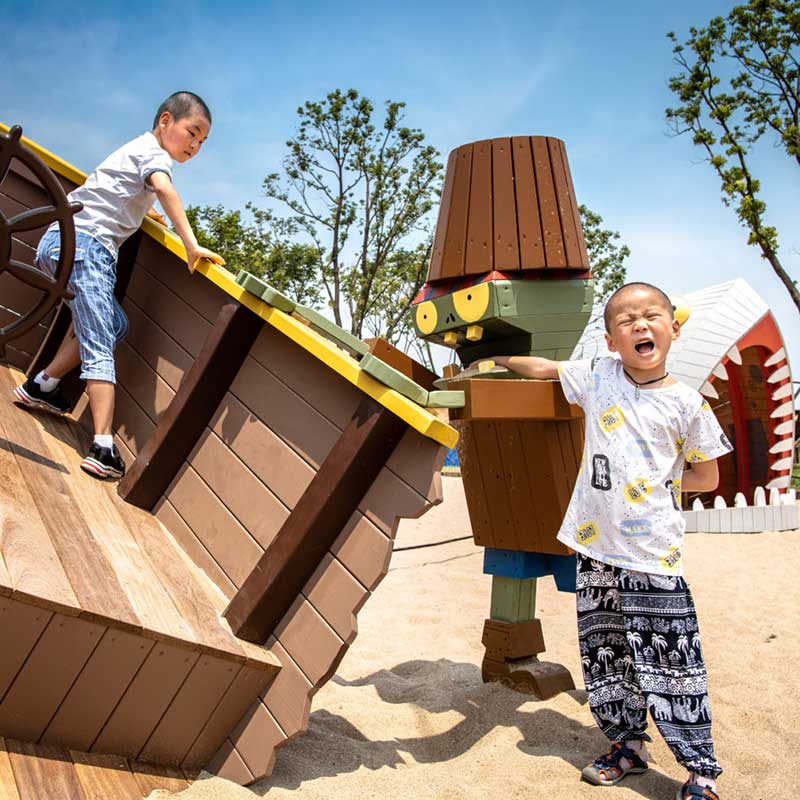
x,y
98,318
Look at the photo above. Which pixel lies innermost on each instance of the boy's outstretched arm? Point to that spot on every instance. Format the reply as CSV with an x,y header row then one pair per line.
x,y
173,207
702,477
528,366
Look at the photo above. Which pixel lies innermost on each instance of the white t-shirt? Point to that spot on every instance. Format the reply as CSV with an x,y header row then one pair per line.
x,y
625,508
116,196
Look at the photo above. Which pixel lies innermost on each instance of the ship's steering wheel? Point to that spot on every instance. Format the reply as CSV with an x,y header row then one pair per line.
x,y
53,289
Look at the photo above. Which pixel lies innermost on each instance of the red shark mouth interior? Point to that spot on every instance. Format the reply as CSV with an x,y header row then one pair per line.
x,y
645,347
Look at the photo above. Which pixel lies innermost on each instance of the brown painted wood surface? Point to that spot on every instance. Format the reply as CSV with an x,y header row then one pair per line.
x,y
44,772
508,204
315,522
209,377
513,399
402,362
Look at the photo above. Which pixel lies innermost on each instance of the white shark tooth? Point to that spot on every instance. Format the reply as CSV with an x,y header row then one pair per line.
x,y
720,371
784,410
734,355
775,358
783,446
782,391
782,464
782,428
779,374
709,391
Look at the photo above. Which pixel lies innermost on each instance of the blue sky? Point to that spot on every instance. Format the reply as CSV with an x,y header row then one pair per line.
x,y
83,78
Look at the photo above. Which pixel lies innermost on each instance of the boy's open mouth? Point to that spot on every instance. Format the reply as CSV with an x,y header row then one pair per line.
x,y
644,347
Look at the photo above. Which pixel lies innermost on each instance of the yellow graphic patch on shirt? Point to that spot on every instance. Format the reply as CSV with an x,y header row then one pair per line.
x,y
676,492
586,533
611,419
695,456
671,558
679,446
706,406
636,491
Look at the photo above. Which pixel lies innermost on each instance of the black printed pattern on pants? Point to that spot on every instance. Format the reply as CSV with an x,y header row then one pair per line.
x,y
640,650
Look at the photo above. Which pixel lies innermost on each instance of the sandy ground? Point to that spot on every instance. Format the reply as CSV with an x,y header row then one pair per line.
x,y
408,716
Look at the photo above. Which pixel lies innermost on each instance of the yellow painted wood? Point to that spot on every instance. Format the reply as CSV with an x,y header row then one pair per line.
x,y
415,416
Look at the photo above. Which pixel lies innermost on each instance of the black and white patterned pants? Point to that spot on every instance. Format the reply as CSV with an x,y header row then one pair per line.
x,y
640,649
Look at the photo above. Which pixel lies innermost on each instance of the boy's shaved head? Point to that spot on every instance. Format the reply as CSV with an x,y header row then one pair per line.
x,y
658,294
183,104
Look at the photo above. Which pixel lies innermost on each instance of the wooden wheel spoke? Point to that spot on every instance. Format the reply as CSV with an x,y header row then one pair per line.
x,y
33,219
30,276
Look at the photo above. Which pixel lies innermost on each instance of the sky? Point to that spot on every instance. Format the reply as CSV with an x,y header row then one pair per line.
x,y
82,78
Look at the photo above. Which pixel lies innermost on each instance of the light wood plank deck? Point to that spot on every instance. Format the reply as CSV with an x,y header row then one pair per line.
x,y
69,544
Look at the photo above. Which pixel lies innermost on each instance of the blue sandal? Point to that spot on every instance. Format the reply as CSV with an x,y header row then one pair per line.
x,y
693,791
607,770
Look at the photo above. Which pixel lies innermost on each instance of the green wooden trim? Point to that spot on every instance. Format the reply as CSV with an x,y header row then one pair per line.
x,y
513,600
394,379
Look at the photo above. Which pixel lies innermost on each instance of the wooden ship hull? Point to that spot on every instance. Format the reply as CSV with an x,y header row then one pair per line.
x,y
186,617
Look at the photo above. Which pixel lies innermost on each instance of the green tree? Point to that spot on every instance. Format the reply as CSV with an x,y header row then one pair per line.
x,y
263,246
606,256
362,192
738,79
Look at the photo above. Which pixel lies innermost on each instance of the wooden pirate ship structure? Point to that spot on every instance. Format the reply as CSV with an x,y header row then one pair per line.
x,y
185,617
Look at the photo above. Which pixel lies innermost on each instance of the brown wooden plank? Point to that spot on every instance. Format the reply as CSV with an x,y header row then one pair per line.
x,y
226,540
566,213
197,291
249,683
151,392
456,235
90,575
131,424
37,766
228,764
103,777
288,698
494,482
44,680
298,370
390,498
22,625
522,503
529,223
480,237
198,600
337,596
209,377
18,168
315,522
30,341
16,295
137,576
364,549
97,690
156,346
151,777
402,362
437,251
8,785
472,477
169,311
417,461
506,236
584,256
256,738
248,499
145,700
543,400
6,586
189,711
262,450
313,645
187,540
548,206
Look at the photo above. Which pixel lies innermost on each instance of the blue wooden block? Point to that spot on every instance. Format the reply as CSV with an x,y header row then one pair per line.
x,y
523,565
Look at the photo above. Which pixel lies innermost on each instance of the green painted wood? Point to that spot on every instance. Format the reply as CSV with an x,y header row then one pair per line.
x,y
265,292
394,379
446,399
513,600
331,330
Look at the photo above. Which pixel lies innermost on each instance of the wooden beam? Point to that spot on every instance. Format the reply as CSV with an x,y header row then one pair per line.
x,y
71,384
318,518
198,397
487,399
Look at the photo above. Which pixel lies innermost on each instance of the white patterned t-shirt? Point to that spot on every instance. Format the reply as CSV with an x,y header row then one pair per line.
x,y
625,508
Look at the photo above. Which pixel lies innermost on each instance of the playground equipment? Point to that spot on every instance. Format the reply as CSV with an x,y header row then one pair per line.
x,y
510,275
187,619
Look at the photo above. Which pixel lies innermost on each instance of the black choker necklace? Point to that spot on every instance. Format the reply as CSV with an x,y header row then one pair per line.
x,y
643,383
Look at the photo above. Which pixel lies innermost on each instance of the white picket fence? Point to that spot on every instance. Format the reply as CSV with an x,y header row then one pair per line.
x,y
782,513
